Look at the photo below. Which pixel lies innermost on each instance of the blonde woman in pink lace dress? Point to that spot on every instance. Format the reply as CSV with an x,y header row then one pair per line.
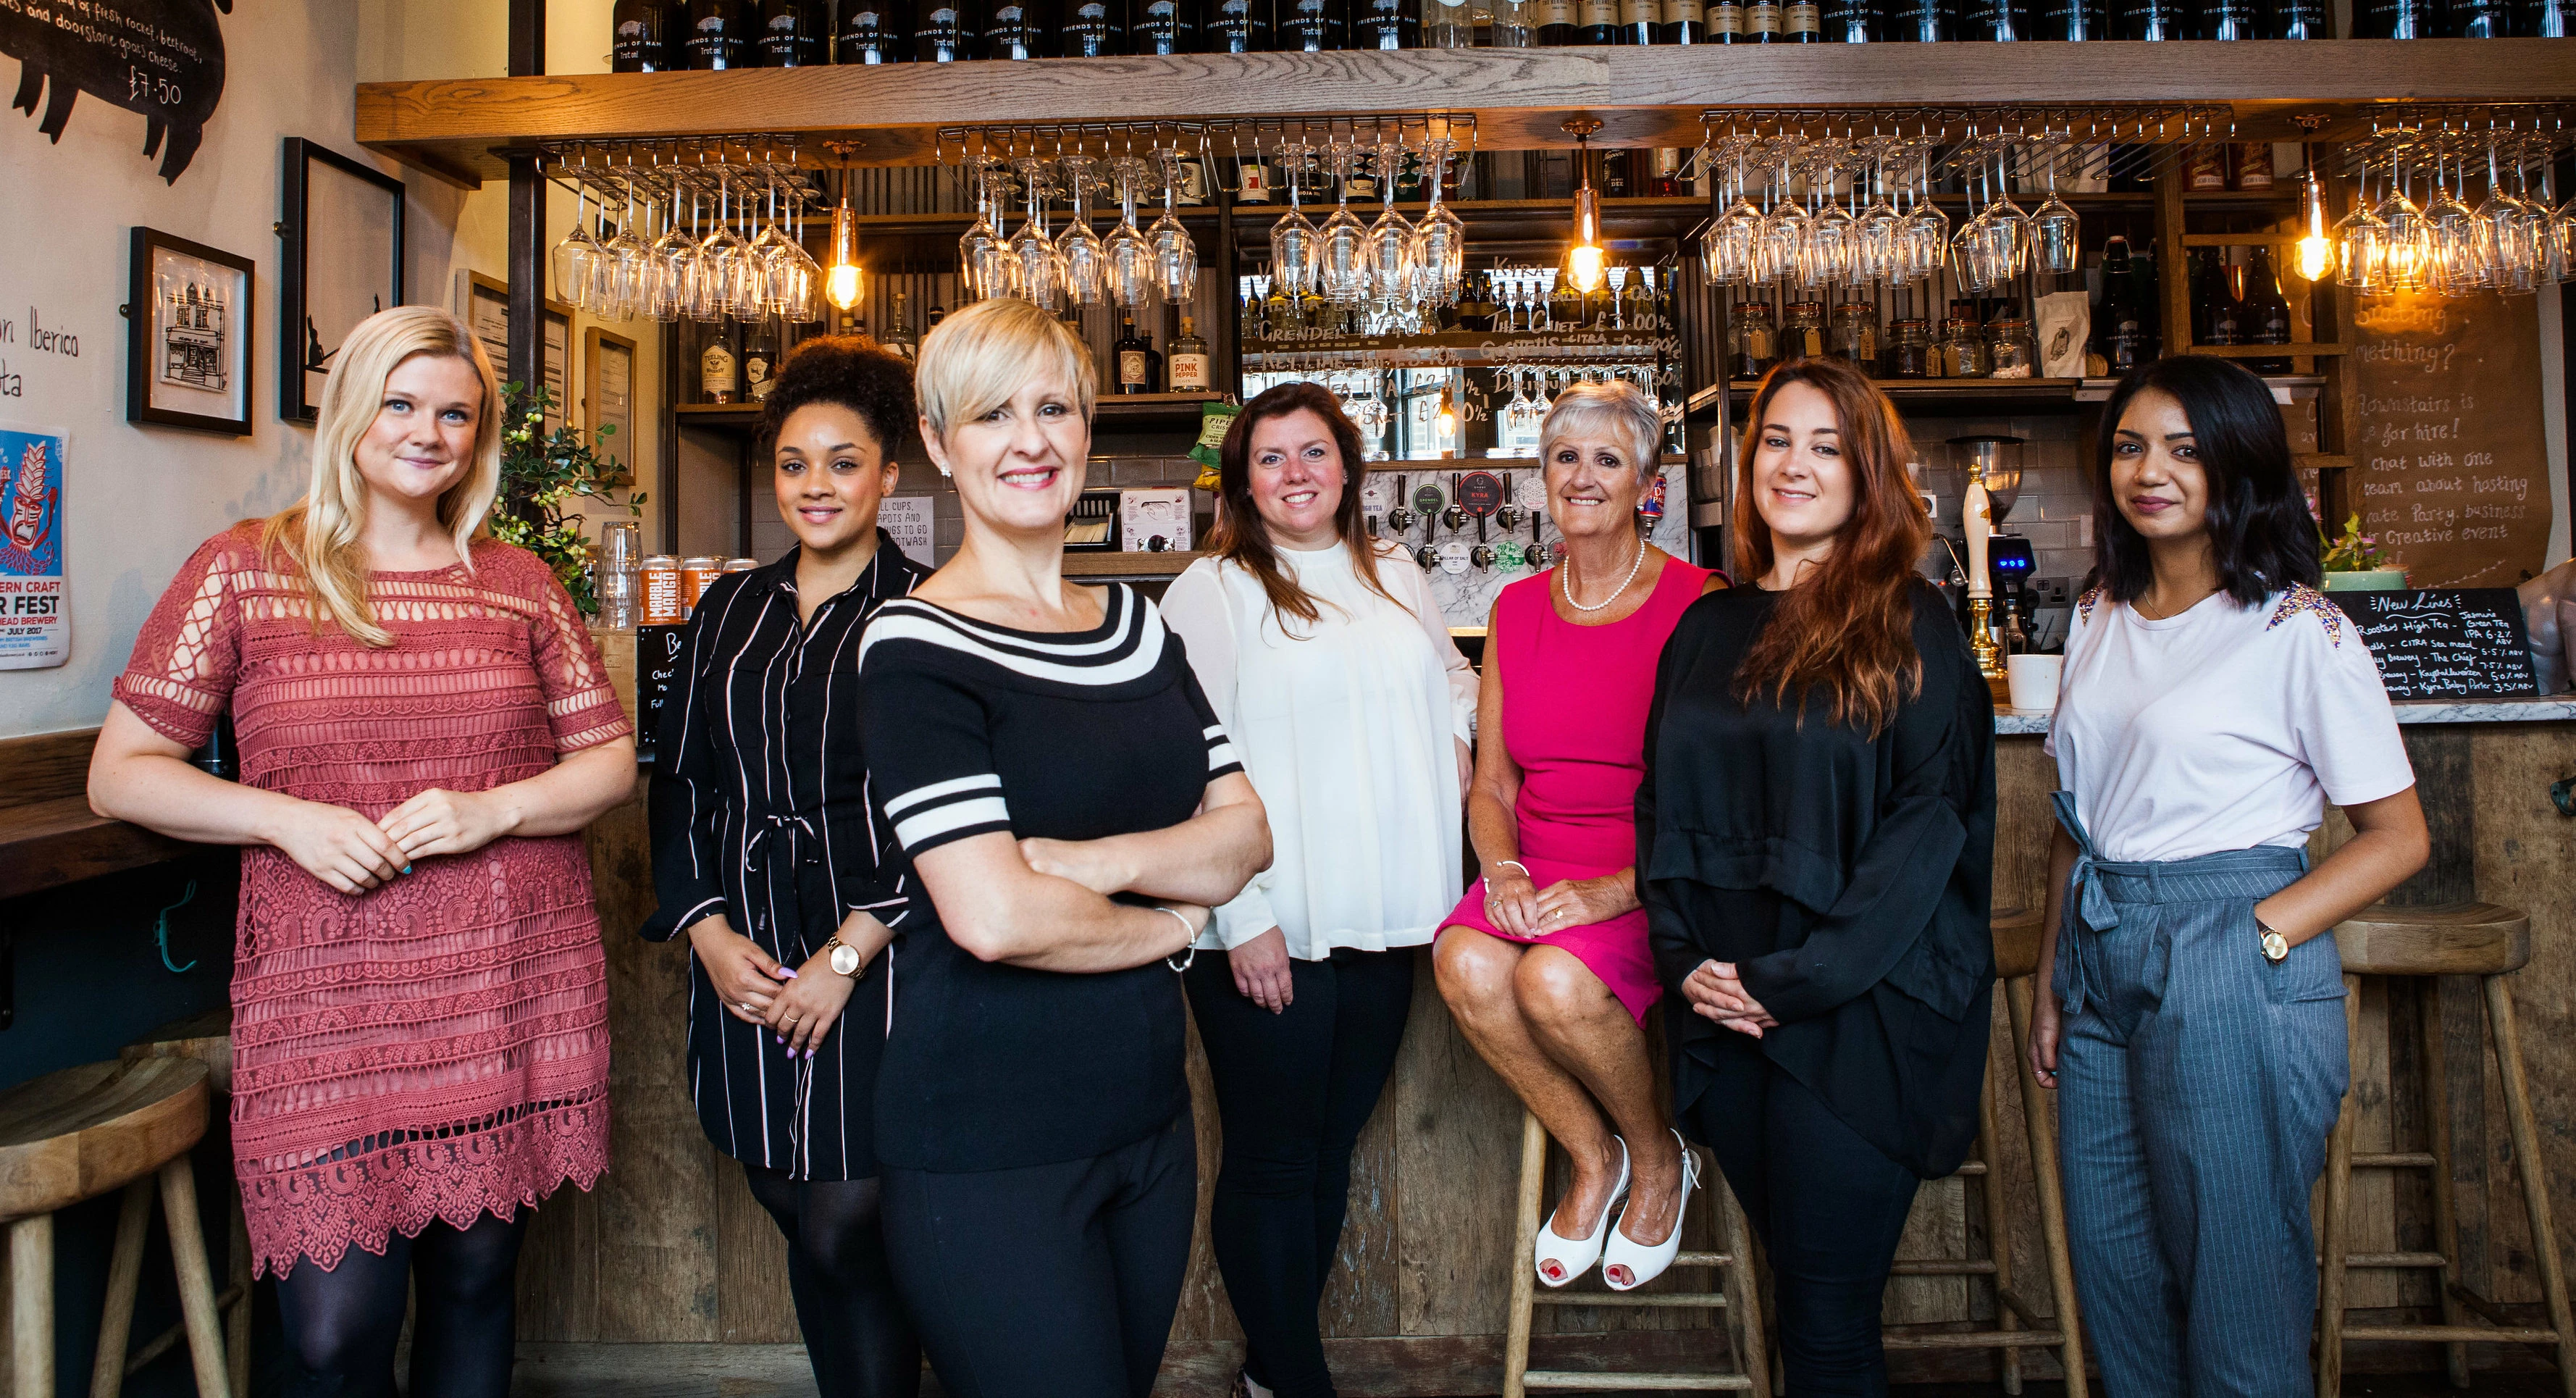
x,y
420,1035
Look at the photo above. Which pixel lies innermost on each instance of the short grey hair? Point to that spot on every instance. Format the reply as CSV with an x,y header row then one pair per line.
x,y
1618,410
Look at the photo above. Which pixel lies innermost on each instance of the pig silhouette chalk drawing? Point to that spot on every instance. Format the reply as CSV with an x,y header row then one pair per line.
x,y
161,58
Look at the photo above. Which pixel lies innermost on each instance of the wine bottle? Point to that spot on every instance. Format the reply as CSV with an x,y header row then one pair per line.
x,y
2214,307
874,31
1918,21
2079,20
2296,19
1848,21
1093,29
717,366
791,33
1018,29
2537,19
1191,372
1239,26
2480,19
1994,21
1762,21
1314,26
2265,319
1132,357
2396,19
1726,22
2151,19
719,35
640,34
1801,22
1386,24
945,31
1596,23
2227,19
759,360
1684,22
1164,27
2120,335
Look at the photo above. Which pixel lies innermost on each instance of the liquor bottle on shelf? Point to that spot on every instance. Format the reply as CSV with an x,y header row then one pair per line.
x,y
792,33
1278,313
1314,26
2480,19
1164,27
2533,19
1762,21
2227,19
640,38
2396,19
2079,20
1239,26
2214,308
1192,371
2120,334
1801,22
937,314
2296,19
1092,29
2265,318
1018,29
718,370
874,31
1565,305
1137,367
1847,21
759,360
1918,21
899,338
1447,24
1510,28
1553,25
1386,24
1996,21
1667,183
1638,21
2150,19
1726,22
1613,179
1596,23
720,34
945,31
1684,22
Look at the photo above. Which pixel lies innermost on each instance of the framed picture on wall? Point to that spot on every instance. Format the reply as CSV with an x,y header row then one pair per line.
x,y
343,228
608,397
483,303
187,335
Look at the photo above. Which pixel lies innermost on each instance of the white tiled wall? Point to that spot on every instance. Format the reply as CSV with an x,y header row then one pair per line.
x,y
2054,509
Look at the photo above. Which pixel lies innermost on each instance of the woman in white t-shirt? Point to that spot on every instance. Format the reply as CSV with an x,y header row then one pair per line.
x,y
2213,700
1330,666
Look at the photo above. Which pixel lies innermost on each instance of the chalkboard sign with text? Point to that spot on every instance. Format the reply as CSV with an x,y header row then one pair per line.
x,y
658,653
161,58
2445,643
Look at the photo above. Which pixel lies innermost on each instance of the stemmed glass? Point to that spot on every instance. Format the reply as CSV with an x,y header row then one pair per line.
x,y
1926,239
711,284
1440,239
1176,256
1826,260
2452,232
795,278
2503,257
1341,244
1733,249
574,256
1085,260
673,258
1125,254
1294,257
1784,230
2361,243
630,260
1041,267
2409,242
1875,232
2054,227
1390,245
981,251
746,273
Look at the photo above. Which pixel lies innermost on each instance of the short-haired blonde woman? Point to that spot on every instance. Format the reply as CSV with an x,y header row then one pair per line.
x,y
1066,809
420,1036
1544,962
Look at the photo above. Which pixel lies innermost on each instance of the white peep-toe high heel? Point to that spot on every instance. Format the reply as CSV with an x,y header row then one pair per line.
x,y
1561,1259
1627,1264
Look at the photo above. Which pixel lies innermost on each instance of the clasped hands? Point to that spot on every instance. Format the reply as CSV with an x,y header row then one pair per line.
x,y
1716,992
354,854
1520,908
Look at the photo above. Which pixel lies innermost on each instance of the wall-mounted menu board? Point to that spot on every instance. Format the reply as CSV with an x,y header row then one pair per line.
x,y
2449,462
657,670
2445,644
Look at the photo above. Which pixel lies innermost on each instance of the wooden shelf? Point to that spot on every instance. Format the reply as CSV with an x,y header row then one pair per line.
x,y
1645,96
1112,564
44,844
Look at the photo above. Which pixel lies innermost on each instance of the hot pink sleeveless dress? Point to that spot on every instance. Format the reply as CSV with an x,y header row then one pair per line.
x,y
1574,720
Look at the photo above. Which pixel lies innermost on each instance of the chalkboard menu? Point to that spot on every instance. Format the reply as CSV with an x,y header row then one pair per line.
x,y
2445,643
2450,468
657,668
161,58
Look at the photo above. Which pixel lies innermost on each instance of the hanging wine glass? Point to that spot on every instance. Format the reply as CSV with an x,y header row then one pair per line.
x,y
1732,249
1389,248
981,250
2502,261
767,250
1085,259
574,255
1176,255
795,276
2055,229
2452,231
2409,247
1927,229
1440,238
2536,230
1784,230
1341,243
628,257
672,256
1826,260
1040,275
1876,228
1127,258
2361,244
708,292
1294,257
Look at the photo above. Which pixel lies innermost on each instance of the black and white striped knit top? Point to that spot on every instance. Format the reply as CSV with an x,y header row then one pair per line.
x,y
975,729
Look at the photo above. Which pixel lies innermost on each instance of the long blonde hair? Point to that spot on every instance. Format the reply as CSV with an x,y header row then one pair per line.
x,y
319,533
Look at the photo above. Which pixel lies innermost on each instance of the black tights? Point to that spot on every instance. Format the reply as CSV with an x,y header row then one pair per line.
x,y
856,1333
342,1324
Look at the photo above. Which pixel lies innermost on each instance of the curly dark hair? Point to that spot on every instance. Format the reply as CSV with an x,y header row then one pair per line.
x,y
846,371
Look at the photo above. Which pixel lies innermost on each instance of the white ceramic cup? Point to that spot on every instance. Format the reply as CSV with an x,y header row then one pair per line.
x,y
2032,680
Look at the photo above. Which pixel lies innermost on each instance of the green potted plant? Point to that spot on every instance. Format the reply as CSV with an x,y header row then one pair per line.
x,y
541,472
2353,562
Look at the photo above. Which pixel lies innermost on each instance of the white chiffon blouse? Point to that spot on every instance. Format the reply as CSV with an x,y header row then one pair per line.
x,y
1348,728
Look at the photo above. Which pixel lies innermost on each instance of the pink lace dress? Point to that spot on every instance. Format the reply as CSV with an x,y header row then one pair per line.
x,y
437,1047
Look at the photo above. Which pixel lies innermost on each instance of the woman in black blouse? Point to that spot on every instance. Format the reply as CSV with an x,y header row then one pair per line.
x,y
767,856
1814,839
1068,809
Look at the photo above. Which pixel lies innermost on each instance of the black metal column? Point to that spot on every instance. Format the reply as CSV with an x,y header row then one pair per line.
x,y
527,211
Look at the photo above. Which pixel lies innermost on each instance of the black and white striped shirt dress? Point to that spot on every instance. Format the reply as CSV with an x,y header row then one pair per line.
x,y
760,811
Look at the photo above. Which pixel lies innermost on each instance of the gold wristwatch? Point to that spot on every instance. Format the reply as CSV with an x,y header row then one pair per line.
x,y
2276,948
847,961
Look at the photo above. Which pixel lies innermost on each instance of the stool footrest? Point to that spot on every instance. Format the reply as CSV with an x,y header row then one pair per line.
x,y
2392,1160
1704,1259
1943,1267
1977,1339
1575,1378
2450,1334
2393,1261
1707,1299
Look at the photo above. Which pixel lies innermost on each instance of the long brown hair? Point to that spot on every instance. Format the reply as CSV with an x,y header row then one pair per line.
x,y
1847,630
1242,537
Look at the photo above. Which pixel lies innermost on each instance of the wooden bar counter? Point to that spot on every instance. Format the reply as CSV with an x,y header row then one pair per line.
x,y
669,1258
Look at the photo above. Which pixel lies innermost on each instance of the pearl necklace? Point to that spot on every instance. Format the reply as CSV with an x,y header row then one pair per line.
x,y
1565,581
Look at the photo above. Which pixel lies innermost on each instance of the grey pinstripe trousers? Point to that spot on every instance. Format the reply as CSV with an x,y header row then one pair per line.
x,y
2197,1084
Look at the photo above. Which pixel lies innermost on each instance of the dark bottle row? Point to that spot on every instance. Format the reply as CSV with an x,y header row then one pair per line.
x,y
664,35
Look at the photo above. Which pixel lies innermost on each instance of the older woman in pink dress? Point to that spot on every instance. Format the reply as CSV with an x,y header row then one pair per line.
x,y
1544,962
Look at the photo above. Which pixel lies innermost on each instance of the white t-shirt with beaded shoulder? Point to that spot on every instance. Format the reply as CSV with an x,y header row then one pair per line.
x,y
2223,728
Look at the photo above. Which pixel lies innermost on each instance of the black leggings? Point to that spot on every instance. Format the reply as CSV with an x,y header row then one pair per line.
x,y
856,1334
342,1324
1293,1090
1829,1208
1056,1279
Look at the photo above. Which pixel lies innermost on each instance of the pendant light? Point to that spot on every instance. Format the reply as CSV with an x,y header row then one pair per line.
x,y
2314,256
844,282
1584,260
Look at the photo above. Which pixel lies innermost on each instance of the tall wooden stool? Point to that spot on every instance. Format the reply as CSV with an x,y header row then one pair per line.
x,y
75,1135
2018,937
207,1039
1738,1295
2461,939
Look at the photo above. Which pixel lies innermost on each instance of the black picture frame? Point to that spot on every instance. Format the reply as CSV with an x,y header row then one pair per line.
x,y
343,185
202,349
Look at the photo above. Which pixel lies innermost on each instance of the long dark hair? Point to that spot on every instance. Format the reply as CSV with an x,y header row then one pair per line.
x,y
1847,632
1240,534
2260,531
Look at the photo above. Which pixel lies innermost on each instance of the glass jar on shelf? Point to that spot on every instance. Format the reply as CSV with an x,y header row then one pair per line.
x,y
2011,352
1854,338
1802,335
1962,352
1753,341
1909,350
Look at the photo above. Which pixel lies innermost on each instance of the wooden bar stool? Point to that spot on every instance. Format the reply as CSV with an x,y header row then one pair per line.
x,y
2017,937
1739,1296
2461,939
75,1135
207,1039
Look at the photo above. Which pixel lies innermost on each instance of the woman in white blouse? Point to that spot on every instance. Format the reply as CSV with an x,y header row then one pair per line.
x,y
2213,701
1330,665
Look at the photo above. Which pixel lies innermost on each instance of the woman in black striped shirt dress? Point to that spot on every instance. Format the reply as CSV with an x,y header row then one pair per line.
x,y
767,856
1068,809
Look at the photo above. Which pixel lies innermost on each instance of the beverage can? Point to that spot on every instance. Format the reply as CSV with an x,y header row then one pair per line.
x,y
695,574
741,565
662,605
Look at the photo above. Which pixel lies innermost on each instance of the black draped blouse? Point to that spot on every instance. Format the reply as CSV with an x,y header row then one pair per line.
x,y
760,812
1848,876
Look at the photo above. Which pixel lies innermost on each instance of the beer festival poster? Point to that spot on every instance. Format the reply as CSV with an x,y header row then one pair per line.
x,y
35,605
